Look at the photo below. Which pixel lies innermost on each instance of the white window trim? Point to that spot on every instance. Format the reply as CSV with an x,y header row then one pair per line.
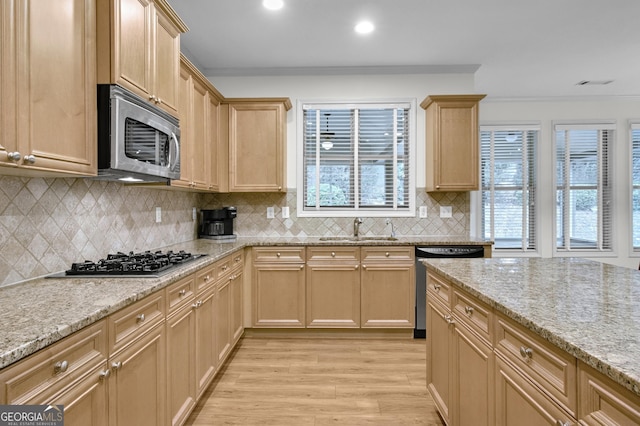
x,y
586,125
410,212
633,125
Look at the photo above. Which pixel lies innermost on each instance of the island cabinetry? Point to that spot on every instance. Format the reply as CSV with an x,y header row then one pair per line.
x,y
278,286
452,150
460,360
549,368
48,88
387,286
139,49
333,287
181,349
256,130
603,402
138,382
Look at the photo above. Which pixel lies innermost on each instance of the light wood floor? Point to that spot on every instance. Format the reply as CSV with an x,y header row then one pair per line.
x,y
278,382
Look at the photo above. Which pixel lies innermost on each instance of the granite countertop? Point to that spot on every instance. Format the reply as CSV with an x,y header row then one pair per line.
x,y
589,309
39,312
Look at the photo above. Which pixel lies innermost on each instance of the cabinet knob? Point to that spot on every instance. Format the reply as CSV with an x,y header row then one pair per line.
x,y
468,310
197,304
158,100
333,254
561,423
60,367
116,365
140,318
364,266
526,353
436,287
437,186
104,374
357,266
207,278
30,159
14,156
301,266
182,292
448,319
278,254
387,254
152,98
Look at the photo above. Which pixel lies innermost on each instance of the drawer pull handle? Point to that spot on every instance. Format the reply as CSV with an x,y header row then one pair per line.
x,y
140,318
104,374
182,292
448,319
60,367
436,287
526,353
468,310
116,365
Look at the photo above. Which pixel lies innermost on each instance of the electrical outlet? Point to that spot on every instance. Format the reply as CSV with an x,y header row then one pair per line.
x,y
285,212
423,212
158,214
446,211
270,213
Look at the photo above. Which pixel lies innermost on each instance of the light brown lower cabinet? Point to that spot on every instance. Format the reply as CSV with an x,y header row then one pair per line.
x,y
484,369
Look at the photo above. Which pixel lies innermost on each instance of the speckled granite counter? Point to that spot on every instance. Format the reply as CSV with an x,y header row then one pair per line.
x,y
39,312
589,309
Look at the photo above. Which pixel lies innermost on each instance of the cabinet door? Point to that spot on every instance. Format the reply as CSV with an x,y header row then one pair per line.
x,y
167,63
206,352
333,295
85,402
520,403
223,317
257,147
185,115
8,98
132,36
237,327
213,151
55,83
278,295
388,295
181,358
200,147
438,356
472,380
138,385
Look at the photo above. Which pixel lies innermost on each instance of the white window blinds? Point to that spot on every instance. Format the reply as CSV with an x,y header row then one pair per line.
x,y
635,179
583,187
508,159
356,157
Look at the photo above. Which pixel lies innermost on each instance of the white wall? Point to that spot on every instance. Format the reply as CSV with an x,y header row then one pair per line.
x,y
545,113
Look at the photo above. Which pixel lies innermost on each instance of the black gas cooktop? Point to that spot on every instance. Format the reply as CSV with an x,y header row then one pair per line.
x,y
142,264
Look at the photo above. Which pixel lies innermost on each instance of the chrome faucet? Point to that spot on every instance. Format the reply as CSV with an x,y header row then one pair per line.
x,y
356,226
393,229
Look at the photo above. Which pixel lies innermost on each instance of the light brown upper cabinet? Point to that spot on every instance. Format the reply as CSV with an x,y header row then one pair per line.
x,y
139,49
198,110
452,152
257,135
48,88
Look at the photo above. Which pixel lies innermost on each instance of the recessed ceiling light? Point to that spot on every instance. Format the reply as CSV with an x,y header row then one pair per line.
x,y
593,82
364,27
273,4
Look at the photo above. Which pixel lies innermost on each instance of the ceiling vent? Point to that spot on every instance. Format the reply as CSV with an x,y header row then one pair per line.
x,y
593,82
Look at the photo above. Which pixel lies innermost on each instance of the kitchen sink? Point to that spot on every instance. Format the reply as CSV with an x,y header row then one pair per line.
x,y
355,239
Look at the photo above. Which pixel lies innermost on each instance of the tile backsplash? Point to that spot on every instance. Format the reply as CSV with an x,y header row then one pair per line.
x,y
48,223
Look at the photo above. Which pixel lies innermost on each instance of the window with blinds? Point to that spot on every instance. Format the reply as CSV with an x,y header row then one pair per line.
x,y
635,179
508,173
583,187
356,158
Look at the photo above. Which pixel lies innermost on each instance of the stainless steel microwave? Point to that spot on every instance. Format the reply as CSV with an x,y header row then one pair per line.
x,y
137,141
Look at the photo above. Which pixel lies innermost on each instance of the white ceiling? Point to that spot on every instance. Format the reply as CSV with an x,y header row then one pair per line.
x,y
517,48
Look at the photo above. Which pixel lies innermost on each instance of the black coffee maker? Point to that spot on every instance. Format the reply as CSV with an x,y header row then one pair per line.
x,y
217,224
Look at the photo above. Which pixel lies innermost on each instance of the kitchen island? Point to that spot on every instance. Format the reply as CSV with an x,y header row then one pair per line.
x,y
582,315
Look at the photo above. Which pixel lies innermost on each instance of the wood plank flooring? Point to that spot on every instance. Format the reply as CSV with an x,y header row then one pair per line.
x,y
279,382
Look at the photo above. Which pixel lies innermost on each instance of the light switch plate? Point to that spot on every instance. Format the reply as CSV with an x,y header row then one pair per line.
x,y
270,213
446,211
423,212
285,212
158,214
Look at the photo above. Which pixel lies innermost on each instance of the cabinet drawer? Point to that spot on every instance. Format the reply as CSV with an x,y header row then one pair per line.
x,y
237,260
180,293
439,288
132,321
473,313
387,253
279,254
604,402
223,267
551,369
35,379
205,279
333,254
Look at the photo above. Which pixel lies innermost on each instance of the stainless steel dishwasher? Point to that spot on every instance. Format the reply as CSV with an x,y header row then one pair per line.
x,y
432,252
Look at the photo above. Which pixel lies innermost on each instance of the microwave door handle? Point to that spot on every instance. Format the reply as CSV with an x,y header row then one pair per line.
x,y
174,162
